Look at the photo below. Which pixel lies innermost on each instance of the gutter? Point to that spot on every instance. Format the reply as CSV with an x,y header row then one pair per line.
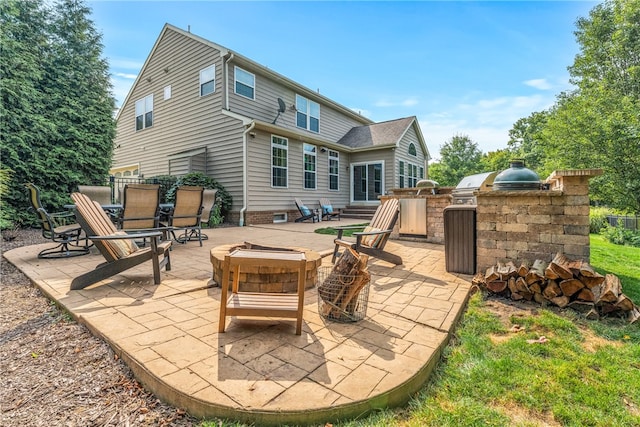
x,y
245,183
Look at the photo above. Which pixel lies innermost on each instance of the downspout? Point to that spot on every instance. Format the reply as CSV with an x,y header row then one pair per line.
x,y
226,81
245,183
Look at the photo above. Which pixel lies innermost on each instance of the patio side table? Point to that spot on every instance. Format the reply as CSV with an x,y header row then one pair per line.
x,y
261,304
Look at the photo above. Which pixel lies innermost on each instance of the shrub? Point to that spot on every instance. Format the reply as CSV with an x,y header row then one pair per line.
x,y
598,219
619,235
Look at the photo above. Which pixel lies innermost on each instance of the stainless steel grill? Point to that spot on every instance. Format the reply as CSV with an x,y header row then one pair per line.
x,y
463,194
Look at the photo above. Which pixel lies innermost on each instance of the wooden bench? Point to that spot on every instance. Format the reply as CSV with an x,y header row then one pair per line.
x,y
261,304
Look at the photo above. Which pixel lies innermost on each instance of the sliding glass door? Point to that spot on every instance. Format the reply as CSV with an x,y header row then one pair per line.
x,y
367,183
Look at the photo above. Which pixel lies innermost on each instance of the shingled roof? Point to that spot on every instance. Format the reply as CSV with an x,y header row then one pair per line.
x,y
377,134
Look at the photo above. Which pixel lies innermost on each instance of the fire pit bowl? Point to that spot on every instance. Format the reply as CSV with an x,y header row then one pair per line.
x,y
266,279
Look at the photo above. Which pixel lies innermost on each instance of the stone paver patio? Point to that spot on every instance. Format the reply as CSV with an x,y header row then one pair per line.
x,y
258,370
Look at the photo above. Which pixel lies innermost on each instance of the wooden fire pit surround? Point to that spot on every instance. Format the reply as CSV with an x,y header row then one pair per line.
x,y
266,279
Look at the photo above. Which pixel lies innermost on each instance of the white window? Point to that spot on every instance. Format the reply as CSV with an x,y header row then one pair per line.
x,y
208,80
279,160
409,174
144,112
245,83
334,170
307,114
309,160
412,150
413,174
167,92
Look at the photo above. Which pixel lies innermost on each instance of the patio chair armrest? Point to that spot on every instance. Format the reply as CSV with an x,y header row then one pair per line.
x,y
128,236
64,214
348,227
371,233
342,229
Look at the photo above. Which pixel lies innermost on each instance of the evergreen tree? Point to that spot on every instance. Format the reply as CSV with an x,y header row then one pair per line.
x,y
23,126
57,125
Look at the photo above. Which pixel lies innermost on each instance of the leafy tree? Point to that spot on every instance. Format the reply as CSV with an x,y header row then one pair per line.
x,y
598,125
459,157
57,108
526,140
497,160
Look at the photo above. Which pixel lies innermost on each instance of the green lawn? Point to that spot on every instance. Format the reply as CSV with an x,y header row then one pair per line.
x,y
586,374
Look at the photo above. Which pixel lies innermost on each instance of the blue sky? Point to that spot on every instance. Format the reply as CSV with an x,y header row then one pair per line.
x,y
462,68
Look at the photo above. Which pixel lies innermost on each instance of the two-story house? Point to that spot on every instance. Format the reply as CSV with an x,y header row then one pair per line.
x,y
198,106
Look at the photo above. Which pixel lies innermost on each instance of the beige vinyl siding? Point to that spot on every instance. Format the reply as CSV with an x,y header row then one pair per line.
x,y
184,122
402,153
384,155
263,197
333,124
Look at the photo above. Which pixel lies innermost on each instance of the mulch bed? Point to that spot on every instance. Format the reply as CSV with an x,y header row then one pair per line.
x,y
55,372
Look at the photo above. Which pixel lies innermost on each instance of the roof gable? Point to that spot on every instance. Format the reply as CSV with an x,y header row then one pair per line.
x,y
384,134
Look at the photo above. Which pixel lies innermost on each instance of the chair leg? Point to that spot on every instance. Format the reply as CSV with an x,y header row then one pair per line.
x,y
62,251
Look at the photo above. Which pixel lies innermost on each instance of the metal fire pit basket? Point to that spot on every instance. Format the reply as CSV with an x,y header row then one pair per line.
x,y
333,301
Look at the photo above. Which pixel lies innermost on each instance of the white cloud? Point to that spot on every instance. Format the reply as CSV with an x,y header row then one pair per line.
x,y
485,121
126,76
541,84
125,63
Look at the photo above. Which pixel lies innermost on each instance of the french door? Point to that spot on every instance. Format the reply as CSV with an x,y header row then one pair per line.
x,y
367,181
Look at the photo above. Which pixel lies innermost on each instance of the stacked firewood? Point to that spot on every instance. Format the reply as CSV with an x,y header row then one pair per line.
x,y
562,282
340,292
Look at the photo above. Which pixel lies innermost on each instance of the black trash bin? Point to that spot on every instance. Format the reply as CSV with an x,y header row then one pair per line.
x,y
460,238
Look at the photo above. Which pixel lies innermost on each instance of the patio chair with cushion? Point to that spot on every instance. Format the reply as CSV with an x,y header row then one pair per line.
x,y
117,247
306,212
58,227
373,238
328,211
140,209
186,214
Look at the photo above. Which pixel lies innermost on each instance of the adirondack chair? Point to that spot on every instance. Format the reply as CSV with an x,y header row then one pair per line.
x,y
306,212
185,214
328,211
98,193
373,238
58,228
118,248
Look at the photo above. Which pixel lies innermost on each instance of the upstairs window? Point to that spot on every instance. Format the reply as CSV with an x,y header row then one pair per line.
x,y
309,155
279,155
144,112
245,83
307,114
334,169
208,80
412,149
